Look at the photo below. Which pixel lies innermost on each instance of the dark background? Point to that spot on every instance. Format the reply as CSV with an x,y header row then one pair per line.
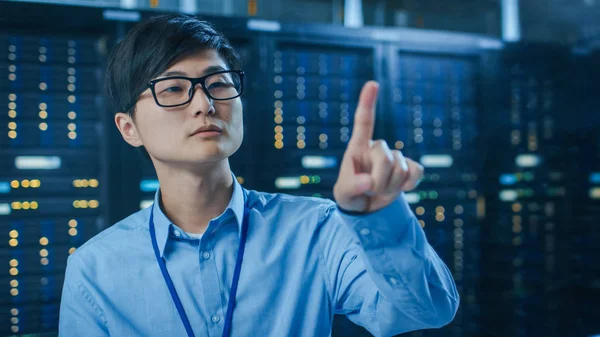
x,y
507,132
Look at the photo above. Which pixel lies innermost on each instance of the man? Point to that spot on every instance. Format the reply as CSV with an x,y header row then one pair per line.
x,y
210,258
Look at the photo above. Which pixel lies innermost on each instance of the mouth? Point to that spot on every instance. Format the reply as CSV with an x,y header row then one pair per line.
x,y
208,130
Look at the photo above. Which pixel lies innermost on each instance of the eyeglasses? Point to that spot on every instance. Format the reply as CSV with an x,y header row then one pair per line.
x,y
175,91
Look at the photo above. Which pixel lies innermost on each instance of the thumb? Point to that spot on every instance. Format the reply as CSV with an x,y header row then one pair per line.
x,y
363,183
351,194
360,185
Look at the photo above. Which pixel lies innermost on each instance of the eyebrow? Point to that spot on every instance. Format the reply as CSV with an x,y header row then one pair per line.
x,y
208,70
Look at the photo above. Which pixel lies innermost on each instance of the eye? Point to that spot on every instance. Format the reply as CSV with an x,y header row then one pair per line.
x,y
218,85
173,89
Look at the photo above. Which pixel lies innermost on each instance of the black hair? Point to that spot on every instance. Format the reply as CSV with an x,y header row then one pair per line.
x,y
150,48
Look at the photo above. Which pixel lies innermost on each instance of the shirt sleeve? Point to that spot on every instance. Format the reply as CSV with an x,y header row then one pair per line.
x,y
383,273
79,314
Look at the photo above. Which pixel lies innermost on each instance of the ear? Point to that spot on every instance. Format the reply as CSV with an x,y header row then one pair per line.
x,y
128,130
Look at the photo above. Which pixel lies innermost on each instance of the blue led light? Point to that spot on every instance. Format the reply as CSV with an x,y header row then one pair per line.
x,y
149,185
5,209
319,162
38,162
4,187
595,179
508,179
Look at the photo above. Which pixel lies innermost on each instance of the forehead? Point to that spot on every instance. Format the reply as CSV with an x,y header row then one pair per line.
x,y
196,63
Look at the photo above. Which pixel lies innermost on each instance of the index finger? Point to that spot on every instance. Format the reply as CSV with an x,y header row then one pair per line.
x,y
364,118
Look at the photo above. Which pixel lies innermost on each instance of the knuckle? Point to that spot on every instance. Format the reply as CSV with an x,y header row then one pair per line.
x,y
401,176
402,162
420,170
387,160
383,144
401,170
379,144
398,157
383,152
415,166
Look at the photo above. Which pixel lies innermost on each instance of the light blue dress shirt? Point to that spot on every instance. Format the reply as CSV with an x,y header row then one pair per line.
x,y
305,261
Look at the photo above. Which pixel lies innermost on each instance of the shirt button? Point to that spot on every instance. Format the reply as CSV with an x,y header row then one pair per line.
x,y
177,233
206,255
393,280
365,231
216,318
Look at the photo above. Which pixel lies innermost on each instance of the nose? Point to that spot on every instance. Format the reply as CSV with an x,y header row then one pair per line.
x,y
201,102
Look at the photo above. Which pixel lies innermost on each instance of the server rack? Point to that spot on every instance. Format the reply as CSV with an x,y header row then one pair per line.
x,y
314,84
434,117
526,259
584,154
53,180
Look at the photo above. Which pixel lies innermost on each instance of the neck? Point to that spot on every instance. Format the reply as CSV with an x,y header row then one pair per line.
x,y
190,199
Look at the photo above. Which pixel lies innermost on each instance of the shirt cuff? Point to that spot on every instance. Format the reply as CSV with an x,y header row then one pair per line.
x,y
383,227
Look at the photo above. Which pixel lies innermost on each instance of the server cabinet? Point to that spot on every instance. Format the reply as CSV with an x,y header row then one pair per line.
x,y
53,157
526,256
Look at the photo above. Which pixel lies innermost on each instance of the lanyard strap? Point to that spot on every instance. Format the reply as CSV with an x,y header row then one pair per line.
x,y
234,285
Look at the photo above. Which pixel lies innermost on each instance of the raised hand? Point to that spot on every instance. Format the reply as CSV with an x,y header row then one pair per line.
x,y
371,175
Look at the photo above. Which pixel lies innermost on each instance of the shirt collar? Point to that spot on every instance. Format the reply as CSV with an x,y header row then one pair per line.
x,y
163,225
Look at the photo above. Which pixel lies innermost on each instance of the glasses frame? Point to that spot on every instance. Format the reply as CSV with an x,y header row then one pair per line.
x,y
195,81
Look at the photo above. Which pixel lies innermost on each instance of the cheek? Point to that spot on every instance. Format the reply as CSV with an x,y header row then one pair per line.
x,y
236,121
156,128
238,118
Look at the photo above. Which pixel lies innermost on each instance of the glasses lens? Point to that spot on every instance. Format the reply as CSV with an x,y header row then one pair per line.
x,y
224,85
172,91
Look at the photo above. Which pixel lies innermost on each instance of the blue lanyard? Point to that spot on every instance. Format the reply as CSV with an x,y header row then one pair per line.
x,y
234,285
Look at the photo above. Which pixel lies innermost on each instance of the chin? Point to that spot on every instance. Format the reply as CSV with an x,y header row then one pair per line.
x,y
207,155
203,153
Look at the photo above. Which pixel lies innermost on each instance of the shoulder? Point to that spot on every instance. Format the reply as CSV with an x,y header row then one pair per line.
x,y
290,214
115,239
299,205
